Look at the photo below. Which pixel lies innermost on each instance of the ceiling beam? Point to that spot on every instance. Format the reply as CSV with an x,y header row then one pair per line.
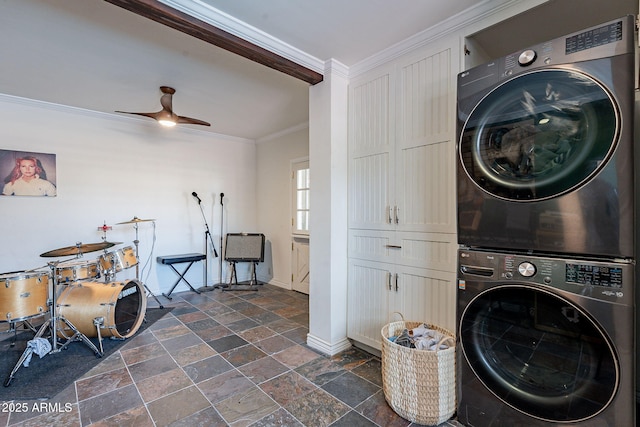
x,y
163,14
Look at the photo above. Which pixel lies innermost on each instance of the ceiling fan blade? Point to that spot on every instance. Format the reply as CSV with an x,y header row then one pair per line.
x,y
152,115
165,101
167,114
191,121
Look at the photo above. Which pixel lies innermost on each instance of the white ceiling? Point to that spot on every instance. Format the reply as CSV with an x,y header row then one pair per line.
x,y
93,55
346,30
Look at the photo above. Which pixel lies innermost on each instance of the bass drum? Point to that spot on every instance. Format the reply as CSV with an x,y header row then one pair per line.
x,y
118,307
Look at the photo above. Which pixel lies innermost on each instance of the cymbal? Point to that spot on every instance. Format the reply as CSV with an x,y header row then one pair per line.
x,y
134,220
79,249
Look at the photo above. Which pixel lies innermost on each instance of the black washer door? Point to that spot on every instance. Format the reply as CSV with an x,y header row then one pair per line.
x,y
539,353
539,135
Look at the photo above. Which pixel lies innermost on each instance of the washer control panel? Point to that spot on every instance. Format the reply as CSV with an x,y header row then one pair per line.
x,y
602,280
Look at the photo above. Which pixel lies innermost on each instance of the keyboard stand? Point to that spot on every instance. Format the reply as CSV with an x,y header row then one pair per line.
x,y
180,259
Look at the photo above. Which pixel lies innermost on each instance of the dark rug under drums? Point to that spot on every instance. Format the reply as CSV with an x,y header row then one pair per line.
x,y
46,377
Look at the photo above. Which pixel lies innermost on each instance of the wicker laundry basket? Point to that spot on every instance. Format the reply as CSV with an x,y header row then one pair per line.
x,y
419,385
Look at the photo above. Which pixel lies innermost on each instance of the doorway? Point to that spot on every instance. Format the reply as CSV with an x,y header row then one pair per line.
x,y
300,187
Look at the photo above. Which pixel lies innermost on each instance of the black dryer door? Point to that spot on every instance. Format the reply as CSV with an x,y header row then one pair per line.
x,y
539,135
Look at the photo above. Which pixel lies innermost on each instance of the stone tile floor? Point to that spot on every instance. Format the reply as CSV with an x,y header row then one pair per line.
x,y
224,359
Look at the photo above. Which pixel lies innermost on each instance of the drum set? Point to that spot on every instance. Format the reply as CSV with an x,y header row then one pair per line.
x,y
72,300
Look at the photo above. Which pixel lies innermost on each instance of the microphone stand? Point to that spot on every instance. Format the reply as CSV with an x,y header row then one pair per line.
x,y
207,240
221,284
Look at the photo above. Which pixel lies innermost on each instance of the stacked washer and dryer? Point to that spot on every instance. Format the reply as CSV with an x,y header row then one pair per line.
x,y
546,213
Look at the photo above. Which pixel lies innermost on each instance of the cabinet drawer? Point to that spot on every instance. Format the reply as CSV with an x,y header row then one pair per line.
x,y
435,251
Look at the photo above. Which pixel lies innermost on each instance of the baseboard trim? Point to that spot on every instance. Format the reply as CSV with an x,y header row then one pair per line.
x,y
326,347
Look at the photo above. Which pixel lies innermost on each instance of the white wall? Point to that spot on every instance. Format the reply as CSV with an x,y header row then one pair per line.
x,y
274,199
112,168
328,104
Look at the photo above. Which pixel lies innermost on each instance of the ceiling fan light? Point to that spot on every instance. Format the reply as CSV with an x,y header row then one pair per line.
x,y
166,118
167,122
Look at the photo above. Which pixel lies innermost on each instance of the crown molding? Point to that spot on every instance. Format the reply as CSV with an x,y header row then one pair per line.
x,y
335,67
66,109
449,27
228,23
283,132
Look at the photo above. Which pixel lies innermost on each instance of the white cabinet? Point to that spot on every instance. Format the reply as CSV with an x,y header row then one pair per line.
x,y
376,290
401,147
402,241
371,151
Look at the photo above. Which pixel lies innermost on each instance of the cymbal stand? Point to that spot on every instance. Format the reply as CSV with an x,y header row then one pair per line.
x,y
136,242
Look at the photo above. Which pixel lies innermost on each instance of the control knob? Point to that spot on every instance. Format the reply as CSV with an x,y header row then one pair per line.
x,y
526,269
527,57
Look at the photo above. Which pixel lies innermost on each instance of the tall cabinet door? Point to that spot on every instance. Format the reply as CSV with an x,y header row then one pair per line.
x,y
371,157
425,187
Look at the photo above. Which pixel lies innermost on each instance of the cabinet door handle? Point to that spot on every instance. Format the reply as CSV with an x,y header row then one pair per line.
x,y
397,214
389,279
389,214
396,282
393,246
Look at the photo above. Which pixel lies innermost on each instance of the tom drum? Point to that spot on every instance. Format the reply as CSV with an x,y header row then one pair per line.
x,y
23,295
119,306
72,271
119,260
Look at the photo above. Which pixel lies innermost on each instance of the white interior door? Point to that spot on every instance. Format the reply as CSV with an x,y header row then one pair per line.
x,y
300,267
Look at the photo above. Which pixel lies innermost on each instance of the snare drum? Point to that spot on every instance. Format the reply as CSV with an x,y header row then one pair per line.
x,y
120,306
72,271
118,260
23,295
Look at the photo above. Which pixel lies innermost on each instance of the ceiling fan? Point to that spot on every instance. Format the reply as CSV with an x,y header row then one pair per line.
x,y
166,116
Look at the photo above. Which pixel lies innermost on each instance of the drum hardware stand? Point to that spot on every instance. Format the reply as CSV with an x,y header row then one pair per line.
x,y
110,273
26,324
136,242
26,353
104,228
77,336
98,322
52,325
